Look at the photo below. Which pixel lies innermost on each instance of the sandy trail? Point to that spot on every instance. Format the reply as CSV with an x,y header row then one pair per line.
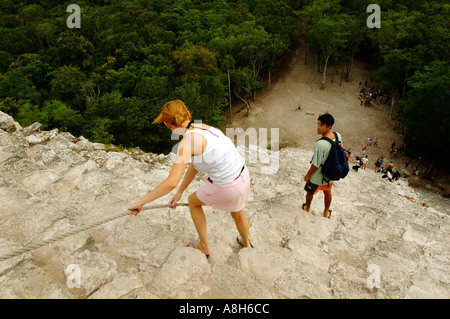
x,y
296,84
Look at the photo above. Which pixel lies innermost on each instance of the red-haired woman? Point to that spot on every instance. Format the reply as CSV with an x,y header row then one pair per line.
x,y
208,149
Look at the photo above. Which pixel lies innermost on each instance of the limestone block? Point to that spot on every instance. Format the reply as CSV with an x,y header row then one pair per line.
x,y
183,275
121,285
96,270
31,129
257,266
7,123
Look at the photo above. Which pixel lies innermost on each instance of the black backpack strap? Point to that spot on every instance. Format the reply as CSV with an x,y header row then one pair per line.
x,y
327,139
330,140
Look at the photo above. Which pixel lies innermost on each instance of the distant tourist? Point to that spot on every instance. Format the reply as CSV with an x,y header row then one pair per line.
x,y
378,164
388,175
395,152
390,166
396,175
407,163
364,162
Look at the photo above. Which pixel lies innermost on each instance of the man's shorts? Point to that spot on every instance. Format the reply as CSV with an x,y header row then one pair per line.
x,y
313,188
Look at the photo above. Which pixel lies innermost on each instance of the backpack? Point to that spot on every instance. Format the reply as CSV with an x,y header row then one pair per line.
x,y
336,164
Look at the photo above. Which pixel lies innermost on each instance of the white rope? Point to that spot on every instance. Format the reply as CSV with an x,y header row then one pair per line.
x,y
98,223
76,231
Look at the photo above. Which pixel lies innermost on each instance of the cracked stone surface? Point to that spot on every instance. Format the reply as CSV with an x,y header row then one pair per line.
x,y
52,182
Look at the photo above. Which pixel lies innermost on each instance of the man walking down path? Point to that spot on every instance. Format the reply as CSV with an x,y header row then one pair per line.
x,y
314,178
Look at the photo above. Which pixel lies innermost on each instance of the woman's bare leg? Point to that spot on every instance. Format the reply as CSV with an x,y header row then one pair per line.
x,y
199,219
242,226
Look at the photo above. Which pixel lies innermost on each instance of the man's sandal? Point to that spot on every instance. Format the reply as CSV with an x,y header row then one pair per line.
x,y
303,207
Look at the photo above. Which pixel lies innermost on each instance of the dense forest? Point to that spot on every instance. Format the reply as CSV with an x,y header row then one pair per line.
x,y
107,78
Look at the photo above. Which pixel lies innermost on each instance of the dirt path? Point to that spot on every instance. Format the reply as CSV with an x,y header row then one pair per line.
x,y
297,84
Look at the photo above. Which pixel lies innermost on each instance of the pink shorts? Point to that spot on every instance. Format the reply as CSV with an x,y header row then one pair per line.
x,y
230,197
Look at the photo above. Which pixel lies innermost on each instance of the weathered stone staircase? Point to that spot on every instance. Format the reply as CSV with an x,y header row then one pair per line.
x,y
384,240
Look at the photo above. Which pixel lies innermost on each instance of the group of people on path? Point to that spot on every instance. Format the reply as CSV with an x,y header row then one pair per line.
x,y
369,94
227,187
388,170
360,162
362,159
371,140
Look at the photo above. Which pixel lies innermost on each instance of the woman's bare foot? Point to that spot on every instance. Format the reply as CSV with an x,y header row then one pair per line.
x,y
202,247
244,244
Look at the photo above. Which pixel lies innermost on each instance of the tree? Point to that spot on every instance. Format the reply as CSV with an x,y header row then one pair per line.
x,y
244,84
58,115
29,113
205,99
391,75
66,86
425,112
247,46
195,62
330,34
256,46
74,49
278,17
14,41
354,37
225,47
27,79
311,13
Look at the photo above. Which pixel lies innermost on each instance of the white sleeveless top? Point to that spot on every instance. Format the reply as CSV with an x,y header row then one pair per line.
x,y
220,158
